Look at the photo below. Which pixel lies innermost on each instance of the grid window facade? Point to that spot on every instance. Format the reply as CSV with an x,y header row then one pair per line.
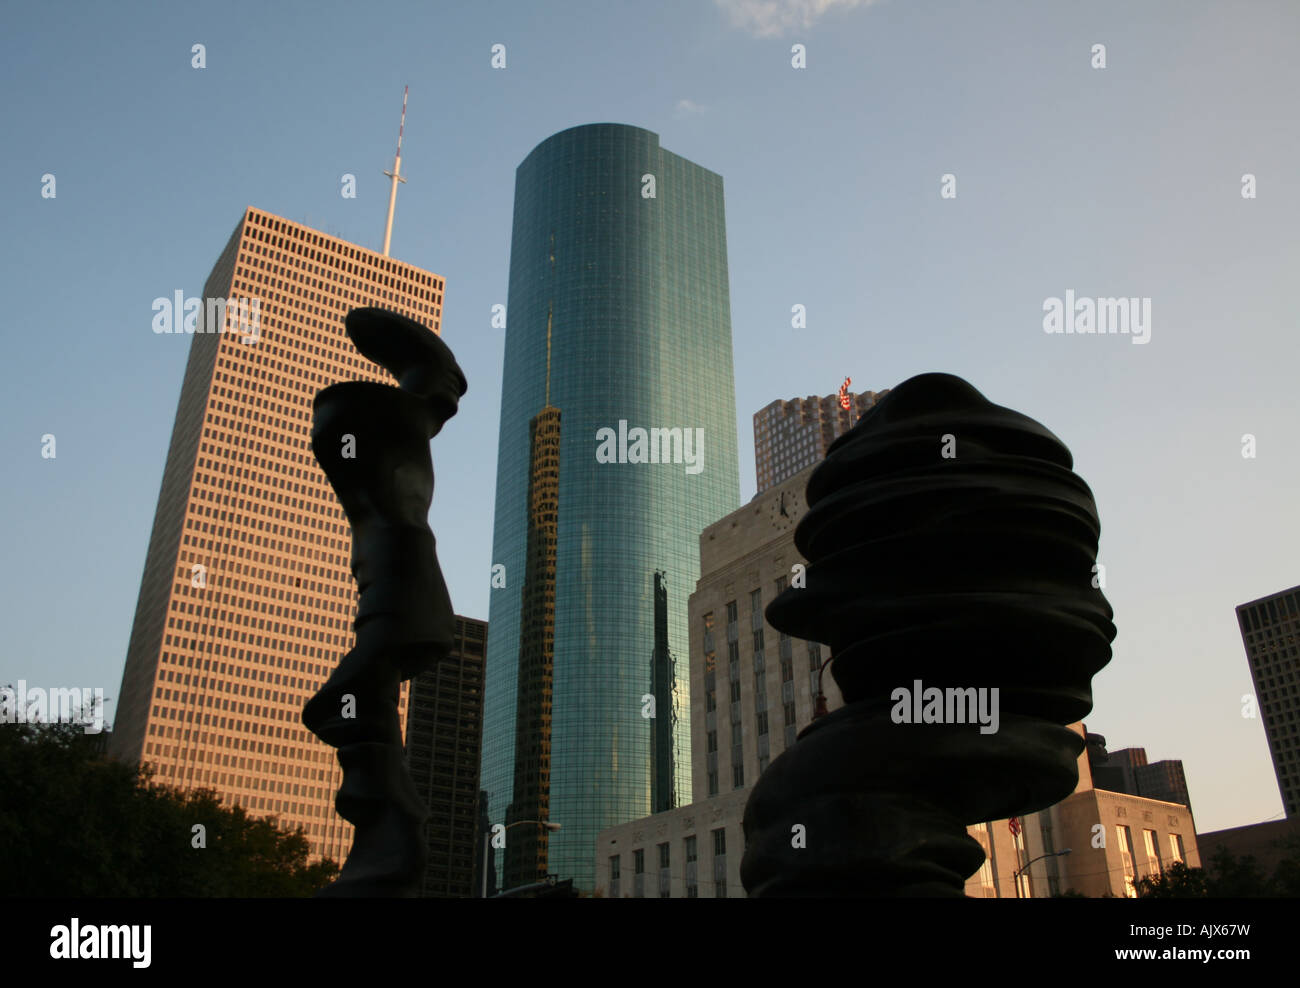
x,y
790,436
247,598
1270,631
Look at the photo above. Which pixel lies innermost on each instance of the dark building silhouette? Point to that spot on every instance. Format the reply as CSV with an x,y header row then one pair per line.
x,y
1128,771
663,795
444,735
1163,780
1268,843
1268,630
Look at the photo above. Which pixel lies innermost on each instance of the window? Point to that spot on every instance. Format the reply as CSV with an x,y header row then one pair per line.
x,y
692,880
738,775
638,873
665,871
720,863
1154,865
1126,859
1176,847
614,876
987,888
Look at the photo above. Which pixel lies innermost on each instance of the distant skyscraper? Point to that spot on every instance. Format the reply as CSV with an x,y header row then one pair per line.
x,y
1270,630
247,597
1128,771
444,731
1164,780
1116,771
617,447
791,435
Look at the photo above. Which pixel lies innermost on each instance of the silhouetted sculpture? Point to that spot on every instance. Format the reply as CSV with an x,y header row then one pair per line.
x,y
950,543
372,441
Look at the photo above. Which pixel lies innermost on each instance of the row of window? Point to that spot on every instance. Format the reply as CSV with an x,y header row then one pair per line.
x,y
785,650
1155,865
690,875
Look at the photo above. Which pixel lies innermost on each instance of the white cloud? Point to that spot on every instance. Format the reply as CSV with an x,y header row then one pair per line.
x,y
773,18
688,107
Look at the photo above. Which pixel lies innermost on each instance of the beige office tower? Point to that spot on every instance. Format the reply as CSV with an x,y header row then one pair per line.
x,y
790,436
247,598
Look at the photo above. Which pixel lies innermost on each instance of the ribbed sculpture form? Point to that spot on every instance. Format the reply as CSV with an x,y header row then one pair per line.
x,y
949,544
372,441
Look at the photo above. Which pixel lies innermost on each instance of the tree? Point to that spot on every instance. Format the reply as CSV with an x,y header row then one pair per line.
x,y
1236,878
1226,877
1286,878
76,824
1176,882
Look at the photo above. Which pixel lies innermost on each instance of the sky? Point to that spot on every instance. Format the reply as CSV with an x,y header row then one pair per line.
x,y
1122,180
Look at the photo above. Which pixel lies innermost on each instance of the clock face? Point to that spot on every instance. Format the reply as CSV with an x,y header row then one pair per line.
x,y
785,510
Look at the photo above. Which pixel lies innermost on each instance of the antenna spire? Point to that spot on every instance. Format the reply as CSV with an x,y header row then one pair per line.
x,y
395,175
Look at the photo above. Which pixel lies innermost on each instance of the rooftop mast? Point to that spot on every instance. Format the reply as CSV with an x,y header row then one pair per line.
x,y
395,175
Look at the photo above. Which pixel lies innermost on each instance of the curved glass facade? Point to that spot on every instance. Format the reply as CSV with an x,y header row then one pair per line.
x,y
618,364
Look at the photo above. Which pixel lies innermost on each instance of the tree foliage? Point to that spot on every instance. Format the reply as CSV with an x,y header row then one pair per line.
x,y
76,824
1226,877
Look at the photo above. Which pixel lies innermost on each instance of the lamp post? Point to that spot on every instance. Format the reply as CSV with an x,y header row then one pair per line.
x,y
487,837
1050,854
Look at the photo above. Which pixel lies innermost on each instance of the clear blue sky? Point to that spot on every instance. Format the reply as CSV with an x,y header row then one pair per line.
x,y
1122,181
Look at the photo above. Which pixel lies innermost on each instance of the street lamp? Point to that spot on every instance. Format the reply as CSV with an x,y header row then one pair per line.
x,y
1050,854
487,837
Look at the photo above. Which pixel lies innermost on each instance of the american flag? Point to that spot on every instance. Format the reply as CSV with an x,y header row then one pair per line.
x,y
845,400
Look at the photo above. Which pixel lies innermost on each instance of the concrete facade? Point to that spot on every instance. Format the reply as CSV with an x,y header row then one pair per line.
x,y
247,597
742,719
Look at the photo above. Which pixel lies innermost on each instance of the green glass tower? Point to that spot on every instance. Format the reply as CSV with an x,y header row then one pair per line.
x,y
617,448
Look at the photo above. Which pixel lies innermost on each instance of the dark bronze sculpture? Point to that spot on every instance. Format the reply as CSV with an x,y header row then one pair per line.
x,y
949,543
372,441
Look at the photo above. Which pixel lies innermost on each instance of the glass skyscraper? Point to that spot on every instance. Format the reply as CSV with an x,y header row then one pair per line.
x,y
617,447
